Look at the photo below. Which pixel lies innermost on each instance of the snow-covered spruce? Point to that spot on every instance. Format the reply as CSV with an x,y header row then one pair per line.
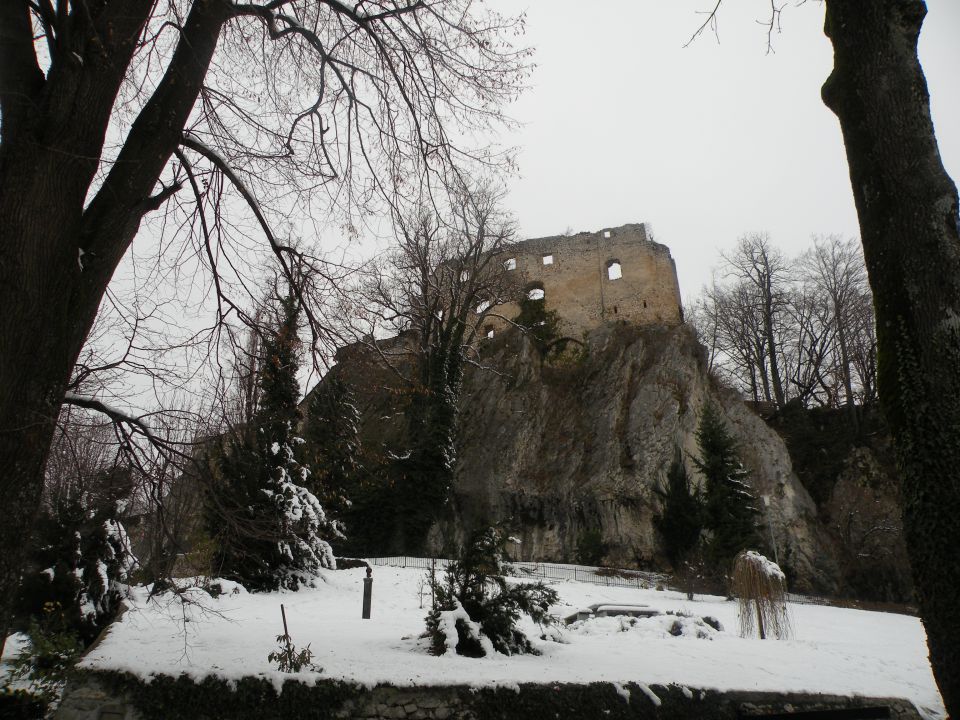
x,y
477,610
269,530
79,561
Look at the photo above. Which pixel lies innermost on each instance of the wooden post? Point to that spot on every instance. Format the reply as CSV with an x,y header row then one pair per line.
x,y
286,633
763,635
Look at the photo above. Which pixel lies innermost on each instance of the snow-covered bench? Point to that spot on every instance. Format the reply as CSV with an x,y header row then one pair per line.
x,y
608,610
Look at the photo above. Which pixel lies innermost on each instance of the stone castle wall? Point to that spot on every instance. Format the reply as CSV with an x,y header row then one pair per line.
x,y
575,274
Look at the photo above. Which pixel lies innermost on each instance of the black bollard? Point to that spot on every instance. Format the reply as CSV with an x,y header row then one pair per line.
x,y
367,592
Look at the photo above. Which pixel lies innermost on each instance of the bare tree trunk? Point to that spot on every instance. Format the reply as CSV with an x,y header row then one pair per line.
x,y
846,375
772,345
908,211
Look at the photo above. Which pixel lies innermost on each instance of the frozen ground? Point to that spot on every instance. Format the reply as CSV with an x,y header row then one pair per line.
x,y
836,651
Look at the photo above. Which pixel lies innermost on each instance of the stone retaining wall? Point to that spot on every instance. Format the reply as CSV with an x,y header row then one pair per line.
x,y
88,699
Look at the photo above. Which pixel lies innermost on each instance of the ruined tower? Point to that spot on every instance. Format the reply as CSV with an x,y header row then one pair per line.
x,y
595,277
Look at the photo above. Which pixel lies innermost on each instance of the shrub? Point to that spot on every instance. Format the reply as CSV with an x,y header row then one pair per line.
x,y
761,591
476,610
540,324
52,651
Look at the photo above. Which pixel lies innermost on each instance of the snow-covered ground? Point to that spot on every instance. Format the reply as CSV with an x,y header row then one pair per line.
x,y
835,651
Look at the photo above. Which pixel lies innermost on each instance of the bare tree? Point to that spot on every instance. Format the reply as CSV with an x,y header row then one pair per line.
x,y
436,288
217,123
837,269
809,340
762,271
817,321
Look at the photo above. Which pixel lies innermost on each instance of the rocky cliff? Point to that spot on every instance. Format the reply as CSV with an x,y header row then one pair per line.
x,y
570,448
557,450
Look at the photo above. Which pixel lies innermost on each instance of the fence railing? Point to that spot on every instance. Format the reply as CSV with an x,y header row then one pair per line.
x,y
613,577
617,577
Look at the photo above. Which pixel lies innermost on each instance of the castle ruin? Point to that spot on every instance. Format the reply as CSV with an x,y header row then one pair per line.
x,y
591,278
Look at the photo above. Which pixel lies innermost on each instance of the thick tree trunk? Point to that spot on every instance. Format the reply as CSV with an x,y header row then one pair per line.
x,y
908,211
42,327
57,252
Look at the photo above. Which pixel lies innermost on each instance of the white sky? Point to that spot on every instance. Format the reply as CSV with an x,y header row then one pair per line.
x,y
622,124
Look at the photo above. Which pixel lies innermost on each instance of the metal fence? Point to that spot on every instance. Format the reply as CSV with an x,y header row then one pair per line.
x,y
613,577
616,577
409,562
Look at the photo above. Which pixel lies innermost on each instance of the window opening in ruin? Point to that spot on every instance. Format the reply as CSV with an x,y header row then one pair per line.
x,y
510,264
548,259
483,307
606,233
614,309
535,294
614,271
644,303
488,332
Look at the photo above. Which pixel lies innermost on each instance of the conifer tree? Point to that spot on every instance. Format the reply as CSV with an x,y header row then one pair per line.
x,y
680,519
269,529
730,509
476,612
79,558
332,442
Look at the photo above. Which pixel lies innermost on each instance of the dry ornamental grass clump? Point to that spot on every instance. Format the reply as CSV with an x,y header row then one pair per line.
x,y
761,591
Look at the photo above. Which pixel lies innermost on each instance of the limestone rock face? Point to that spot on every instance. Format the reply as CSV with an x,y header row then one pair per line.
x,y
554,450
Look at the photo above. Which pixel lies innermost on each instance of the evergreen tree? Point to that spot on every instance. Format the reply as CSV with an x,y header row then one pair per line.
x,y
680,519
269,529
333,445
477,610
730,509
79,559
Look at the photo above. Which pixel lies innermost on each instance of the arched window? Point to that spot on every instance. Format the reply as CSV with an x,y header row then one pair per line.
x,y
535,293
510,264
614,271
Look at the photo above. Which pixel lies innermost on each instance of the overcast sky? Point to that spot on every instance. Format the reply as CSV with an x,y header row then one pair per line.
x,y
622,124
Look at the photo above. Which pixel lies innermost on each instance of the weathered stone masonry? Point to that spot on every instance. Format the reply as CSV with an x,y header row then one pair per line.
x,y
579,277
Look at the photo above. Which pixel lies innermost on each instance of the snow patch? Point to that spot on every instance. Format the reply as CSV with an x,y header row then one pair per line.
x,y
654,698
622,691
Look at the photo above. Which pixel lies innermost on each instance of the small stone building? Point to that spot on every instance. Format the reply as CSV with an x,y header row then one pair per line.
x,y
594,277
